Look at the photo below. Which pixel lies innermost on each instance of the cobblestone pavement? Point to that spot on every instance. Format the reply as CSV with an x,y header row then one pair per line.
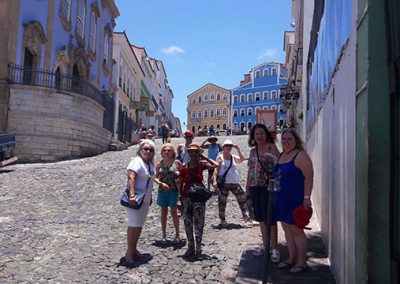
x,y
62,222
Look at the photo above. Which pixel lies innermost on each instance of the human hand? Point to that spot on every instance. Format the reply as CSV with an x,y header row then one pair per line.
x,y
236,146
133,200
215,185
307,203
164,186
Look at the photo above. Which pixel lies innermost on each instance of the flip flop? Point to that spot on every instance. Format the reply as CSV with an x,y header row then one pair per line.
x,y
298,269
284,265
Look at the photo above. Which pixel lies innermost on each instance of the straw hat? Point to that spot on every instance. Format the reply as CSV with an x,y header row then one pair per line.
x,y
227,142
194,146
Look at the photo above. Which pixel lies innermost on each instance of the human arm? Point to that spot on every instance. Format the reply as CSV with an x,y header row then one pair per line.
x,y
215,174
131,185
304,163
211,164
274,150
241,158
156,179
203,145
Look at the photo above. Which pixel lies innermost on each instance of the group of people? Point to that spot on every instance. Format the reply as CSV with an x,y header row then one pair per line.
x,y
179,169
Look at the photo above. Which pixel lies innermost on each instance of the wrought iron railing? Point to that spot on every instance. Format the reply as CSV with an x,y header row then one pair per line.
x,y
21,75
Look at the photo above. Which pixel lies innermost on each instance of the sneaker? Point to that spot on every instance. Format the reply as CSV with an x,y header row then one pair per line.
x,y
246,218
275,256
259,251
176,240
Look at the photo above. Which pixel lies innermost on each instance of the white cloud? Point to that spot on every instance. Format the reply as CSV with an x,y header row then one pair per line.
x,y
172,50
268,54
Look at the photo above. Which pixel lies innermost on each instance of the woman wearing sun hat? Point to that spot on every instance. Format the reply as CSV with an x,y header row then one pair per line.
x,y
295,172
213,149
194,212
227,165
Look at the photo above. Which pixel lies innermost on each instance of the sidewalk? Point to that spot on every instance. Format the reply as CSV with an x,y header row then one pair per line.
x,y
318,271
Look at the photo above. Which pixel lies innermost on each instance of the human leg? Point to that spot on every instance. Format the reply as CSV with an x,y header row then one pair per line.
x,y
188,222
300,240
237,190
133,238
290,244
164,213
199,218
175,220
222,198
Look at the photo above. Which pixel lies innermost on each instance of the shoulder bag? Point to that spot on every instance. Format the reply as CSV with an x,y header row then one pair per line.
x,y
221,179
139,203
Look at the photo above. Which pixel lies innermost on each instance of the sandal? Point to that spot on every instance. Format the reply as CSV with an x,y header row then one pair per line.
x,y
275,256
298,268
259,251
284,265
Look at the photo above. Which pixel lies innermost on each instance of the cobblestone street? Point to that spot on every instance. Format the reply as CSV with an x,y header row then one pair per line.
x,y
62,222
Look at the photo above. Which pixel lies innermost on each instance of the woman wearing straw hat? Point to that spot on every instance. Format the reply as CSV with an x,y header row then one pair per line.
x,y
194,211
227,168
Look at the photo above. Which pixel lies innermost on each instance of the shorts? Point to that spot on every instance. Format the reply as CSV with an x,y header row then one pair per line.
x,y
259,200
167,199
137,217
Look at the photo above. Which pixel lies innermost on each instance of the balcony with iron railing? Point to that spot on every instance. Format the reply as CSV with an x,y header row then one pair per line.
x,y
37,77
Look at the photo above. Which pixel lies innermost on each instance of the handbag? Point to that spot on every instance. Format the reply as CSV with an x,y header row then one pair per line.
x,y
221,179
139,203
198,193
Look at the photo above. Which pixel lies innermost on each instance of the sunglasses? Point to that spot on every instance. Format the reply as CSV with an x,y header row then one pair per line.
x,y
193,151
167,150
151,150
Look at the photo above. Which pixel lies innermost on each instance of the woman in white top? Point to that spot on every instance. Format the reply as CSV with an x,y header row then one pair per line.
x,y
228,168
140,182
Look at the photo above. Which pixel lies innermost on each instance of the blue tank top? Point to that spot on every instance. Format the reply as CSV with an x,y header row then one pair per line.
x,y
213,151
291,179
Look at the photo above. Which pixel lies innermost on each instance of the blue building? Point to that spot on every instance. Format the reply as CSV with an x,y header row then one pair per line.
x,y
260,90
55,76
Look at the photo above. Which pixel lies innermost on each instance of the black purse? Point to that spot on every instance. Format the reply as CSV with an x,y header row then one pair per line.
x,y
139,203
198,193
221,179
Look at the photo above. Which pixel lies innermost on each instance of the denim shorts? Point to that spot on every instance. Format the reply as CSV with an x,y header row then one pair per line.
x,y
259,200
167,198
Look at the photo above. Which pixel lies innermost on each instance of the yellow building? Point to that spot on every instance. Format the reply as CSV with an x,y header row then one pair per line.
x,y
209,108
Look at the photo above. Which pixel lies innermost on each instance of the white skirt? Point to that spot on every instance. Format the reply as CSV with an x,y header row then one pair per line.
x,y
137,217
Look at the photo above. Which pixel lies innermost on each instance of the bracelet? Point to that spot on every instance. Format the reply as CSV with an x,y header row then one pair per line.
x,y
307,196
132,195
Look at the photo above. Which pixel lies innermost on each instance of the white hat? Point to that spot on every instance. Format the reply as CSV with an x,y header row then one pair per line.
x,y
227,142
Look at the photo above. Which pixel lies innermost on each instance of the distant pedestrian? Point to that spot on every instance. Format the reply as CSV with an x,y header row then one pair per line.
x,y
213,149
167,171
295,173
194,211
183,154
263,157
140,171
164,132
227,167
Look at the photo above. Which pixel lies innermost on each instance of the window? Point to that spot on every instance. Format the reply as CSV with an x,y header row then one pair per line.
x,y
256,109
242,112
218,126
193,100
273,95
218,112
211,112
249,111
224,111
273,107
273,71
266,72
266,107
120,76
205,113
80,18
93,30
193,114
257,97
235,99
235,112
257,74
235,125
65,9
106,48
199,99
199,114
218,96
205,97
224,97
249,97
212,96
249,125
224,126
242,98
265,95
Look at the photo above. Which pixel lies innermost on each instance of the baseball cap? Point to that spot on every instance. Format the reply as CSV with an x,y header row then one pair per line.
x,y
188,133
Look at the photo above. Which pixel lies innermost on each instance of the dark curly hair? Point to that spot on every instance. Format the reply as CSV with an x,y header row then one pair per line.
x,y
252,142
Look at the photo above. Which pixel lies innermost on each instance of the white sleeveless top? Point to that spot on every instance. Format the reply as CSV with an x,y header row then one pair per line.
x,y
232,176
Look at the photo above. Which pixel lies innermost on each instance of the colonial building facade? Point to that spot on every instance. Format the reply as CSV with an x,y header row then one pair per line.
x,y
55,70
260,90
209,107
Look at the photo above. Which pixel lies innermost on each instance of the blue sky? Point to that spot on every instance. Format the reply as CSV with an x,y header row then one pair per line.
x,y
206,41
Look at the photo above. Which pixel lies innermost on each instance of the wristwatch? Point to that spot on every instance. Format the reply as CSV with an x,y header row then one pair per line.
x,y
306,196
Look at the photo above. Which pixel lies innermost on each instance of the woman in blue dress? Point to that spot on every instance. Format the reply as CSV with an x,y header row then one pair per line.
x,y
295,171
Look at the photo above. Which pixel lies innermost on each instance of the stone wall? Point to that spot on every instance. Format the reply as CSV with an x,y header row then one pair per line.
x,y
52,125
